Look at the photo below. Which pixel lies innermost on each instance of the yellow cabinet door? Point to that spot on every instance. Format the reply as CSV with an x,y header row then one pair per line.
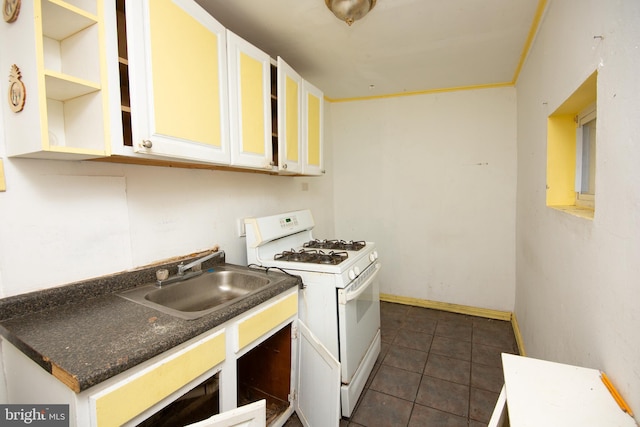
x,y
178,81
249,104
312,129
256,326
289,119
130,397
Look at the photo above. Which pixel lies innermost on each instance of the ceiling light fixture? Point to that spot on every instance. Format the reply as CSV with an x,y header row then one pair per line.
x,y
350,10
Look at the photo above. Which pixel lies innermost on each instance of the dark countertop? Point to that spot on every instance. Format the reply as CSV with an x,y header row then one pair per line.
x,y
84,333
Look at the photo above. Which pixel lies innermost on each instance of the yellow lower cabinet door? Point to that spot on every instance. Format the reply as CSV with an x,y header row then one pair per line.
x,y
132,396
257,325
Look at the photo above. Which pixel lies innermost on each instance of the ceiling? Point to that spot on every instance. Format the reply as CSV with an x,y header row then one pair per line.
x,y
400,46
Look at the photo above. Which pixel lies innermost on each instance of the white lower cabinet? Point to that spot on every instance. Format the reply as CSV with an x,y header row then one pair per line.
x,y
302,376
161,382
255,369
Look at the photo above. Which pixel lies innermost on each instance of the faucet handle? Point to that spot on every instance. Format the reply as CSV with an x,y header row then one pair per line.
x,y
162,274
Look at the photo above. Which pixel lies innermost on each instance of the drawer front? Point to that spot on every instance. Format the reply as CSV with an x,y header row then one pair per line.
x,y
258,324
125,400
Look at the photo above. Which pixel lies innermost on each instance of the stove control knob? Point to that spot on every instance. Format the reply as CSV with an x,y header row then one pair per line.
x,y
352,274
356,270
373,256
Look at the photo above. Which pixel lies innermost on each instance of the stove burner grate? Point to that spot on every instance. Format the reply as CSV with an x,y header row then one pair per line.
x,y
336,244
312,256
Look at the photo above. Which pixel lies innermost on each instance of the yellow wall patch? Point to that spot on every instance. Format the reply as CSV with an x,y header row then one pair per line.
x,y
3,183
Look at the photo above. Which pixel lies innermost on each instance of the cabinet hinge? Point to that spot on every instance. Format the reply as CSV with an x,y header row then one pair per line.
x,y
294,332
293,396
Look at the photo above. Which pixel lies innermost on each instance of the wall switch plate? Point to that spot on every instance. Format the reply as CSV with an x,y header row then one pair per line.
x,y
242,231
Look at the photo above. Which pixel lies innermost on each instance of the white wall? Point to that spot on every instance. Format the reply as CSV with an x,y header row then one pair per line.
x,y
63,221
578,280
431,179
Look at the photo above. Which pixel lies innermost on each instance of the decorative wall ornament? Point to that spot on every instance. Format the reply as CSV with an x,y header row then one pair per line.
x,y
11,10
17,91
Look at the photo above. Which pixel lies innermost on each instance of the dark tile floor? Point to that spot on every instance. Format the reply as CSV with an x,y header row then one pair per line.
x,y
435,369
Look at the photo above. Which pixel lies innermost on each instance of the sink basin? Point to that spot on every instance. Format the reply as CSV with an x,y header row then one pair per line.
x,y
200,295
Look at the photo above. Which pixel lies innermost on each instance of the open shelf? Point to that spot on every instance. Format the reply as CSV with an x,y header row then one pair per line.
x,y
77,123
62,87
61,19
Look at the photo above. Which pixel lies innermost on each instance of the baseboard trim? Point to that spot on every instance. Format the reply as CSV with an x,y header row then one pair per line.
x,y
445,306
462,309
518,335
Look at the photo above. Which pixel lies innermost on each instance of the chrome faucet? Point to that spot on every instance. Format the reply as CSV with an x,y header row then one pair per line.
x,y
184,274
197,264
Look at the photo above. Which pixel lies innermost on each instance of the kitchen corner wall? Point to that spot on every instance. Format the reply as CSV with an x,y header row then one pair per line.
x,y
431,179
578,280
64,221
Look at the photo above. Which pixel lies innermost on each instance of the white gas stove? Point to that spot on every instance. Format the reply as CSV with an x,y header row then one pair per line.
x,y
340,300
286,241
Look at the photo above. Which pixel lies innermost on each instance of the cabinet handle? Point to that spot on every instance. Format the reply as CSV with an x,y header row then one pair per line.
x,y
146,143
284,166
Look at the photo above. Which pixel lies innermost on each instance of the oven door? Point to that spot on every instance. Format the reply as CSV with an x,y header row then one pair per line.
x,y
358,319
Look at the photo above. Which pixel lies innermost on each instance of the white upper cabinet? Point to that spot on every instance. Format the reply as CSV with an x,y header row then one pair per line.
x,y
312,130
55,100
152,80
289,119
177,82
249,104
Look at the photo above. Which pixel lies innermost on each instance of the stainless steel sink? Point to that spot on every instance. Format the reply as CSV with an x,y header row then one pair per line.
x,y
200,295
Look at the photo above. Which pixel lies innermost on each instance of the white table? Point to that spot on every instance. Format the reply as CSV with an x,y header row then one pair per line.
x,y
542,393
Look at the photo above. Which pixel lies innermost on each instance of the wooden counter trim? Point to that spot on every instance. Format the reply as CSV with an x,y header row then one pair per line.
x,y
65,377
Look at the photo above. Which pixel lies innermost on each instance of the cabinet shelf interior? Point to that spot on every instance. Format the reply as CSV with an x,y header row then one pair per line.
x,y
77,123
62,87
76,55
61,19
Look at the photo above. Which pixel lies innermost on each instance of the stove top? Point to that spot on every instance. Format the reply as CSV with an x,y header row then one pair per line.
x,y
312,256
270,238
341,245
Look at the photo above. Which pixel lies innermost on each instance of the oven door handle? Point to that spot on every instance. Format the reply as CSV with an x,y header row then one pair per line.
x,y
345,297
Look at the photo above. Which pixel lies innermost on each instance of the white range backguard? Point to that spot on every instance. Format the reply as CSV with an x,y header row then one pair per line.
x,y
339,303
